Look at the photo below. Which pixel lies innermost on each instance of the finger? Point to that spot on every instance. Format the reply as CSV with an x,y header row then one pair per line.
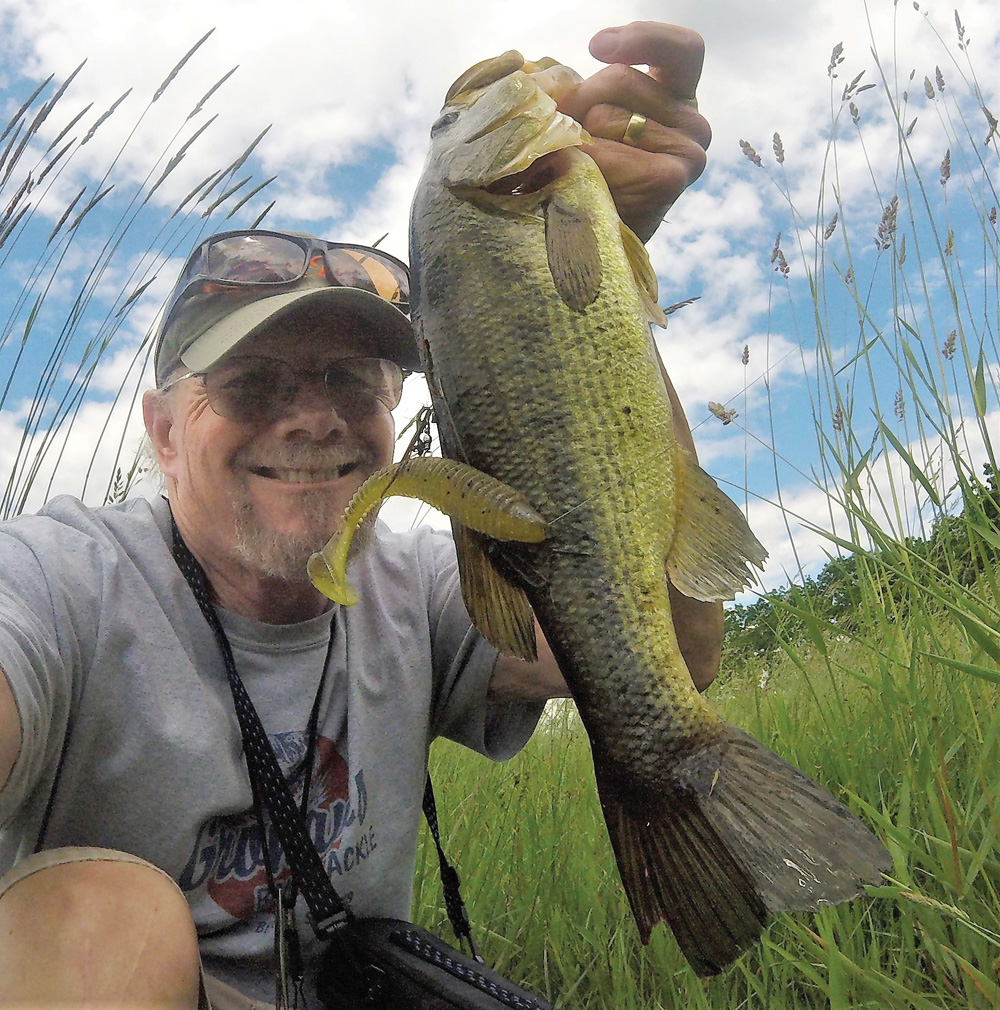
x,y
668,164
673,54
609,117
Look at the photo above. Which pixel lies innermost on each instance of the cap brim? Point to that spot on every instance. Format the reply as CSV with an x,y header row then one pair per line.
x,y
388,326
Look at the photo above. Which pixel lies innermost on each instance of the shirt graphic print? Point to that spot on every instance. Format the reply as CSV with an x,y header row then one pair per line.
x,y
226,876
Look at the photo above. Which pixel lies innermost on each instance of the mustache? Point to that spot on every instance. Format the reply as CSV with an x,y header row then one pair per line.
x,y
305,457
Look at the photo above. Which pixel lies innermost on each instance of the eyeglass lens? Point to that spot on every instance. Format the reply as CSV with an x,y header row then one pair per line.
x,y
255,389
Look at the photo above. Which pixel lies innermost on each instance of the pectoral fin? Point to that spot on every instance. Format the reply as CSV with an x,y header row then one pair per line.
x,y
573,253
462,492
713,546
498,608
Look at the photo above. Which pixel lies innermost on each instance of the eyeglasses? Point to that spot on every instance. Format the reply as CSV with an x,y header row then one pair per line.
x,y
251,258
258,390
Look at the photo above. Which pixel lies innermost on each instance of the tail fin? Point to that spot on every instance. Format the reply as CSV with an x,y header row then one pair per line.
x,y
742,833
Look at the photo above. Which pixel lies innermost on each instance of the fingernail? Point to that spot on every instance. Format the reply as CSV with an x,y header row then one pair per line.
x,y
604,44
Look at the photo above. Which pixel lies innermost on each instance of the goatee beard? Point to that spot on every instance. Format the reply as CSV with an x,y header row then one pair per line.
x,y
283,556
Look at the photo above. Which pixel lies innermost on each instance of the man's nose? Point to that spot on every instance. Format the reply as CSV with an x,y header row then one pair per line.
x,y
315,407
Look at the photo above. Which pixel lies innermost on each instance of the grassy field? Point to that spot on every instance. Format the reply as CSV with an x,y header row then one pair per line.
x,y
903,739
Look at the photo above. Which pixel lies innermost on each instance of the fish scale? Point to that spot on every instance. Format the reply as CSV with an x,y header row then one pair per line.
x,y
569,452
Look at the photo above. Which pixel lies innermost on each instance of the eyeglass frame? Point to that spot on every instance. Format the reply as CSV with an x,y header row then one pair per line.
x,y
404,373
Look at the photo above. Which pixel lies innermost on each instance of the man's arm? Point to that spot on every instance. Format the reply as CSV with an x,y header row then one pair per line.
x,y
10,730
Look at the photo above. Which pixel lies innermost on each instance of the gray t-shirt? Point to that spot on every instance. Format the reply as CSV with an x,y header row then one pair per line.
x,y
109,656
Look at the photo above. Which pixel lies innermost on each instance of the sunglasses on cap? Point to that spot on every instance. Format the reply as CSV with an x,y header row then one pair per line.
x,y
251,389
272,260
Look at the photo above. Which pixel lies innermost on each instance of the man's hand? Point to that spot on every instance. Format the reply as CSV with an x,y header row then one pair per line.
x,y
666,153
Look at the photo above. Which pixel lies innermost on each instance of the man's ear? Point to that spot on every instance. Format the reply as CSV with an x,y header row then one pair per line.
x,y
158,414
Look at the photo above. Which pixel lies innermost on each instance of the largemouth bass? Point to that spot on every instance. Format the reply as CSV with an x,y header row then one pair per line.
x,y
531,306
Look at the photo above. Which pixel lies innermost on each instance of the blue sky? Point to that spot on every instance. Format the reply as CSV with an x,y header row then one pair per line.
x,y
350,96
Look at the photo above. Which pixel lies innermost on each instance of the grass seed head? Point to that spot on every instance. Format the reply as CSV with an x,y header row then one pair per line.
x,y
725,416
750,152
778,148
887,226
836,58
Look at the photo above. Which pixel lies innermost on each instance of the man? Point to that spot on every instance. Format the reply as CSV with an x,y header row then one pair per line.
x,y
278,361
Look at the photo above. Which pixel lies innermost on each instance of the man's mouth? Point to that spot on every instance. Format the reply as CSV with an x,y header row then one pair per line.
x,y
288,475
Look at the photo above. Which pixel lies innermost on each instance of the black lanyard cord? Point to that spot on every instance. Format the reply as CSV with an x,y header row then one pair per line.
x,y
328,911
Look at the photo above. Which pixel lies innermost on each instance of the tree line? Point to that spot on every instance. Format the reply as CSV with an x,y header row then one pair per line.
x,y
856,593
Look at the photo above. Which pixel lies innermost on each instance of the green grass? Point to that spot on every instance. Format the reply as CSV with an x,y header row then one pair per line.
x,y
897,736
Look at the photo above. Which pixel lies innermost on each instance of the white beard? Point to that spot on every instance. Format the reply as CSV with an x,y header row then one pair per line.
x,y
282,555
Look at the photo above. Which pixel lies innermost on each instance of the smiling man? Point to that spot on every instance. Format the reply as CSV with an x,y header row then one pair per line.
x,y
138,871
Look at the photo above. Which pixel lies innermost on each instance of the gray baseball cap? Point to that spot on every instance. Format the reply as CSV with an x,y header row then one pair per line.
x,y
238,284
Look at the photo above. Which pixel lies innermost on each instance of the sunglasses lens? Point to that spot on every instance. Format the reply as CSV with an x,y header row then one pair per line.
x,y
369,271
250,389
253,259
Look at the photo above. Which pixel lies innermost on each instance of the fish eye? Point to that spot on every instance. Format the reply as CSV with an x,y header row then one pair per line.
x,y
444,120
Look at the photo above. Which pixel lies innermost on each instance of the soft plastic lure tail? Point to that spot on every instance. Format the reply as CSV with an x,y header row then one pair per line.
x,y
465,494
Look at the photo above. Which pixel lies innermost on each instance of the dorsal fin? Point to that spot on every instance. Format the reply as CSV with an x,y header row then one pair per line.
x,y
713,546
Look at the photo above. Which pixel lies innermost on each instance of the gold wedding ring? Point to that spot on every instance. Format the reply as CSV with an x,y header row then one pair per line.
x,y
634,130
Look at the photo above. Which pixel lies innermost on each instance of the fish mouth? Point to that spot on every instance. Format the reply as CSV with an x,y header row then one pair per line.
x,y
292,475
507,128
540,174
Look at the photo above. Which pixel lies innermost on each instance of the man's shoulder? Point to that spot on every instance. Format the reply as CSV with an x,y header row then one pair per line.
x,y
65,521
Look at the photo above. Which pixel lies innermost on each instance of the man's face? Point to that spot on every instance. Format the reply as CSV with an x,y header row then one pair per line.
x,y
267,495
